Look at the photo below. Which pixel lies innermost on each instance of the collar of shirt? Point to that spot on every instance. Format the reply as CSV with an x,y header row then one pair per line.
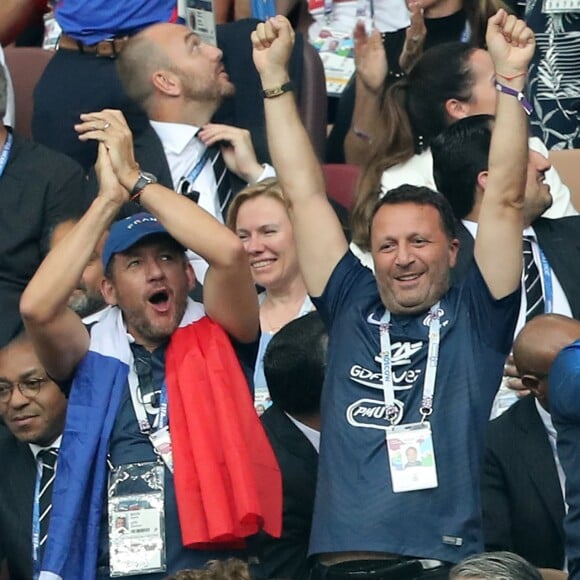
x,y
174,136
36,449
311,434
182,151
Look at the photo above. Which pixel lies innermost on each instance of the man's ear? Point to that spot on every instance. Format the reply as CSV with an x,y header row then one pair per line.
x,y
189,272
166,82
108,292
453,252
456,109
482,179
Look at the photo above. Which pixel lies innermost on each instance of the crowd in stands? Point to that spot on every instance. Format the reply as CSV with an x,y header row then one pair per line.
x,y
210,368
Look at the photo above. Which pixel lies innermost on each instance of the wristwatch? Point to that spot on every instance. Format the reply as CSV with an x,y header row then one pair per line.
x,y
279,90
144,180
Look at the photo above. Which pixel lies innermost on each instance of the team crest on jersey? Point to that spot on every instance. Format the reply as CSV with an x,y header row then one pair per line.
x,y
439,314
372,414
403,379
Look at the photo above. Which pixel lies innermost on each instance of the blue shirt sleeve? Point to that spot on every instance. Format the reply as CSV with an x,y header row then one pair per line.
x,y
495,320
564,382
349,281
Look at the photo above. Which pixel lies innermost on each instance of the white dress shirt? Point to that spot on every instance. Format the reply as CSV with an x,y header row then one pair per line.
x,y
183,150
36,449
311,434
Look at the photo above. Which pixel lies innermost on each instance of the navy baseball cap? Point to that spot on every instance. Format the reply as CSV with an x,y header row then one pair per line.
x,y
127,232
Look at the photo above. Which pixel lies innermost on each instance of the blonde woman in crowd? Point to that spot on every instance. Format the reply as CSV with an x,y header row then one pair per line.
x,y
259,215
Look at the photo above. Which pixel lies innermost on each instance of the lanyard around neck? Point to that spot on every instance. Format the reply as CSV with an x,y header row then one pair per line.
x,y
194,173
430,367
547,278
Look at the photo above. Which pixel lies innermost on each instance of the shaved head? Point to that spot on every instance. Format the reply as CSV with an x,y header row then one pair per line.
x,y
536,347
140,58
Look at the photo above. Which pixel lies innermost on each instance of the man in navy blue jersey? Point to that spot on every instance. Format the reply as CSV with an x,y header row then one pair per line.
x,y
413,362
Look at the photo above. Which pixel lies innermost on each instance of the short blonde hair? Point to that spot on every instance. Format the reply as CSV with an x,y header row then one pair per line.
x,y
268,187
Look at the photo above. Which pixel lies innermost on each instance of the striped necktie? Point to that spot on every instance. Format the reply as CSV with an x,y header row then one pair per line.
x,y
224,188
47,459
532,282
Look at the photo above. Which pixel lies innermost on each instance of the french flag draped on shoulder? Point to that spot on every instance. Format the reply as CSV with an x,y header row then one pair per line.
x,y
218,507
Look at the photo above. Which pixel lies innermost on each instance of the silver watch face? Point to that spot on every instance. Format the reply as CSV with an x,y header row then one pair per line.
x,y
149,177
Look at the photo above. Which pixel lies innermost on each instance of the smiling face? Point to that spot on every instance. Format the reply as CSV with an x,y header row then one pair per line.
x,y
149,282
412,256
38,419
264,227
197,64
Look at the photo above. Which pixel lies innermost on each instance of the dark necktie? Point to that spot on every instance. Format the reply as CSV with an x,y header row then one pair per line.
x,y
532,282
224,189
47,458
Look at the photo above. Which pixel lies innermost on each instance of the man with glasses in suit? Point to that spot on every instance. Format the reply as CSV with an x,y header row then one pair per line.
x,y
33,409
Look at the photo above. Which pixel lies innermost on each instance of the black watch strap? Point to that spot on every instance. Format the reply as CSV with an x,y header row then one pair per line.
x,y
144,180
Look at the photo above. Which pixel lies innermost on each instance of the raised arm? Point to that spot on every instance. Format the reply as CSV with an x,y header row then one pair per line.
x,y
371,72
59,336
319,238
498,245
229,294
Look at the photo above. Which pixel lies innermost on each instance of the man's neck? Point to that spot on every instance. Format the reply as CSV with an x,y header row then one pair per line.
x,y
193,113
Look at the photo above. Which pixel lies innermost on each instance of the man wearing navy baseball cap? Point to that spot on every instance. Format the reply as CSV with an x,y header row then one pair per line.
x,y
158,404
129,231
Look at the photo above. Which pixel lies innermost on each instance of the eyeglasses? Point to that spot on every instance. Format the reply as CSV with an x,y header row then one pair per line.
x,y
28,388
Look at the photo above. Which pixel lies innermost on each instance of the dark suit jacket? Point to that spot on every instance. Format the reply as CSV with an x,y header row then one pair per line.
x,y
16,500
287,557
523,507
560,242
38,188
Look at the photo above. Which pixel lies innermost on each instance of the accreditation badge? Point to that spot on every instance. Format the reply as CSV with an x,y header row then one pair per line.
x,y
411,457
136,519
